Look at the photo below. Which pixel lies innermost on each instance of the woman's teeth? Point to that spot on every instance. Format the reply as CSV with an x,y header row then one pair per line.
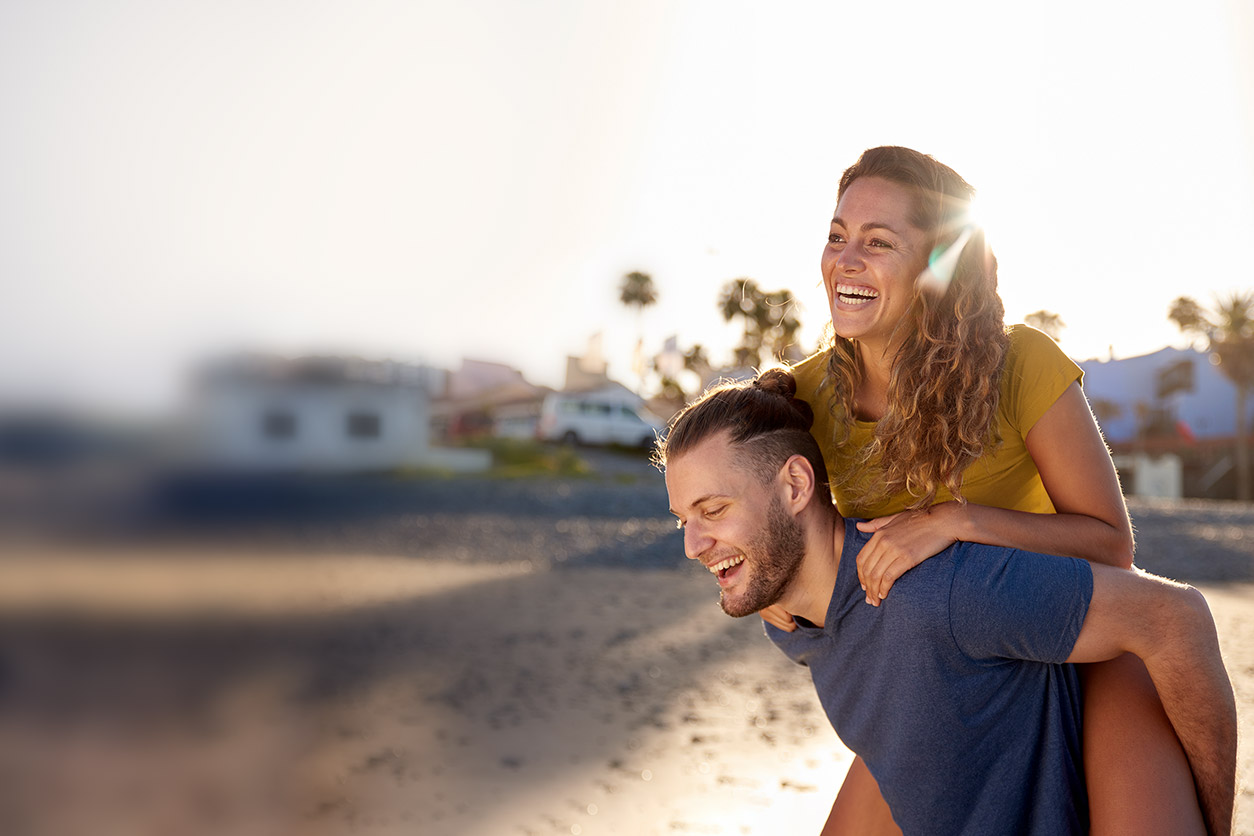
x,y
856,295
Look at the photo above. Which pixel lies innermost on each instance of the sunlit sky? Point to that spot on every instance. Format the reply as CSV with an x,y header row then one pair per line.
x,y
432,181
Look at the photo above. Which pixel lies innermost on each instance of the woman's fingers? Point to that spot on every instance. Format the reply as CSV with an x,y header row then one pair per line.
x,y
869,569
777,616
900,543
877,523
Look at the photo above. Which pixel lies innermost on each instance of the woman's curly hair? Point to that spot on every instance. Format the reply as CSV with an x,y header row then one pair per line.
x,y
946,377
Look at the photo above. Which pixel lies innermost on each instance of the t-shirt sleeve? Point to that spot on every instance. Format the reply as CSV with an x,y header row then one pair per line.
x,y
809,374
1037,373
1010,604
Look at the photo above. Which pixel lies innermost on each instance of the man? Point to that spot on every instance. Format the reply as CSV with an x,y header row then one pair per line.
x,y
954,691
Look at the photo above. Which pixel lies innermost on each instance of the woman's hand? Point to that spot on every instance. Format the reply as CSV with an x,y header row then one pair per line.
x,y
902,541
777,616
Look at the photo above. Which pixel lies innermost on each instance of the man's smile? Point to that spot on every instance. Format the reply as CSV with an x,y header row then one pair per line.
x,y
726,570
726,564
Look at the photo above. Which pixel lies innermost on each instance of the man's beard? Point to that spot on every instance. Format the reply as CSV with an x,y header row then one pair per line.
x,y
774,556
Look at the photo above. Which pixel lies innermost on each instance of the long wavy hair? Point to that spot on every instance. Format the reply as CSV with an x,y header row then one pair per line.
x,y
946,377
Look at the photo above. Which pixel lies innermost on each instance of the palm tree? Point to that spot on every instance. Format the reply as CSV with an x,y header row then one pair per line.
x,y
1229,333
769,321
1047,321
637,291
742,298
782,326
698,362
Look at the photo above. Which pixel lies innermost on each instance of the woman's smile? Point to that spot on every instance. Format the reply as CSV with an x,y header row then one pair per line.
x,y
873,256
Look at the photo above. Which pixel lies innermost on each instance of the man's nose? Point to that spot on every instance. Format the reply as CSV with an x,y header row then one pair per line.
x,y
696,541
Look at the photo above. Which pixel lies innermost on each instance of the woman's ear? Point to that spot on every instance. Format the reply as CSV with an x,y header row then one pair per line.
x,y
797,480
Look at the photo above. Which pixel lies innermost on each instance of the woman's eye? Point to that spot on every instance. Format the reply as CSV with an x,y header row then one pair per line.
x,y
715,512
879,242
835,238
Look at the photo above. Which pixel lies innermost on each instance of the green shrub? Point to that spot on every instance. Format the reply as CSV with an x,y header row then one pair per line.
x,y
513,457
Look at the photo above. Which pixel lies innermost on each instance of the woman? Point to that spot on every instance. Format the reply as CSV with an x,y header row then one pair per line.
x,y
943,426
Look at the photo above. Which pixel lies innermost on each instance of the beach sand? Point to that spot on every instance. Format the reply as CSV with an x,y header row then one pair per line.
x,y
178,688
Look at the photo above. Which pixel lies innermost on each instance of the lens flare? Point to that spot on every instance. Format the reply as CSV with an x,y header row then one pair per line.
x,y
944,260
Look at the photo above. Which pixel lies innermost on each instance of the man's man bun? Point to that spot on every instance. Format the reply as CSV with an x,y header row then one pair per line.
x,y
763,417
780,382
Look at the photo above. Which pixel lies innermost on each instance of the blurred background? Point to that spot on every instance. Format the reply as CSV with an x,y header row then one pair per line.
x,y
458,193
427,182
329,325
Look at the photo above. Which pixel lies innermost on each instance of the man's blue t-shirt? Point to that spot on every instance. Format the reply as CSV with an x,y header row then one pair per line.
x,y
953,690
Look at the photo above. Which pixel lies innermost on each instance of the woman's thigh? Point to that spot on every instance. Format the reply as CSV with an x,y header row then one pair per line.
x,y
1137,774
860,809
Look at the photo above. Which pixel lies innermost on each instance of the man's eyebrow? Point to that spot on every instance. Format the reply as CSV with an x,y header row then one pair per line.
x,y
702,499
869,225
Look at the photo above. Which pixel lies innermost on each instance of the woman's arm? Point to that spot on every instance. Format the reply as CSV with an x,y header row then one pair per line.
x,y
1091,520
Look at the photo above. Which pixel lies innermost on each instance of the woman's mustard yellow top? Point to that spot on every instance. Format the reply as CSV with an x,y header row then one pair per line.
x,y
1035,376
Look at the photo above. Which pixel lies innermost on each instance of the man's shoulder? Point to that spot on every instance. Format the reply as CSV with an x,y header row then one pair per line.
x,y
985,556
1010,603
983,566
940,563
800,645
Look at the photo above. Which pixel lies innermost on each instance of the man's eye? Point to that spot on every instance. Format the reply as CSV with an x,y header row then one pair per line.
x,y
715,512
879,242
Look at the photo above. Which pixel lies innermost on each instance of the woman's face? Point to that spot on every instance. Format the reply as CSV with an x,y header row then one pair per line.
x,y
872,258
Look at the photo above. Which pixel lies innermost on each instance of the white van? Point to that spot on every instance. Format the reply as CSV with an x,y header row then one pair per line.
x,y
597,418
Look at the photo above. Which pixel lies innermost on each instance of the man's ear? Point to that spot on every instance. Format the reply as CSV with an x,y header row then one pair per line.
x,y
797,479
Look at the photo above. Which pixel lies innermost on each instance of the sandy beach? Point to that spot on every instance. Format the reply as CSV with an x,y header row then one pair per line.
x,y
538,661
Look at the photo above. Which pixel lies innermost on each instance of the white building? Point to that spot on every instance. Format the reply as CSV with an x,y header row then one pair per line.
x,y
320,414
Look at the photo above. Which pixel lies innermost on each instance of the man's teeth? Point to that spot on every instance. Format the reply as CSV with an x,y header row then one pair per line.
x,y
855,295
727,564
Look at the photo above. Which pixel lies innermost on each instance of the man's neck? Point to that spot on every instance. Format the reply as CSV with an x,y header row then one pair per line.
x,y
810,592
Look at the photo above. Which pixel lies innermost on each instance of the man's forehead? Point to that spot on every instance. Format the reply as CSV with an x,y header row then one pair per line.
x,y
710,453
705,469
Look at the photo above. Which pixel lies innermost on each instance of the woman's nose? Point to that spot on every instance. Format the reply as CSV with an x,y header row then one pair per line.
x,y
849,260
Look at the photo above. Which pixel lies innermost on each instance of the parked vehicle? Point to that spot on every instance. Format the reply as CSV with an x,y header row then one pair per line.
x,y
597,418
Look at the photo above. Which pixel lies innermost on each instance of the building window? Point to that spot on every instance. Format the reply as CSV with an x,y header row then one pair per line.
x,y
278,424
364,425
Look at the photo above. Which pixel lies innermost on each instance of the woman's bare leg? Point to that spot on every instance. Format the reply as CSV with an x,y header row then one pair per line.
x,y
860,810
1138,776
